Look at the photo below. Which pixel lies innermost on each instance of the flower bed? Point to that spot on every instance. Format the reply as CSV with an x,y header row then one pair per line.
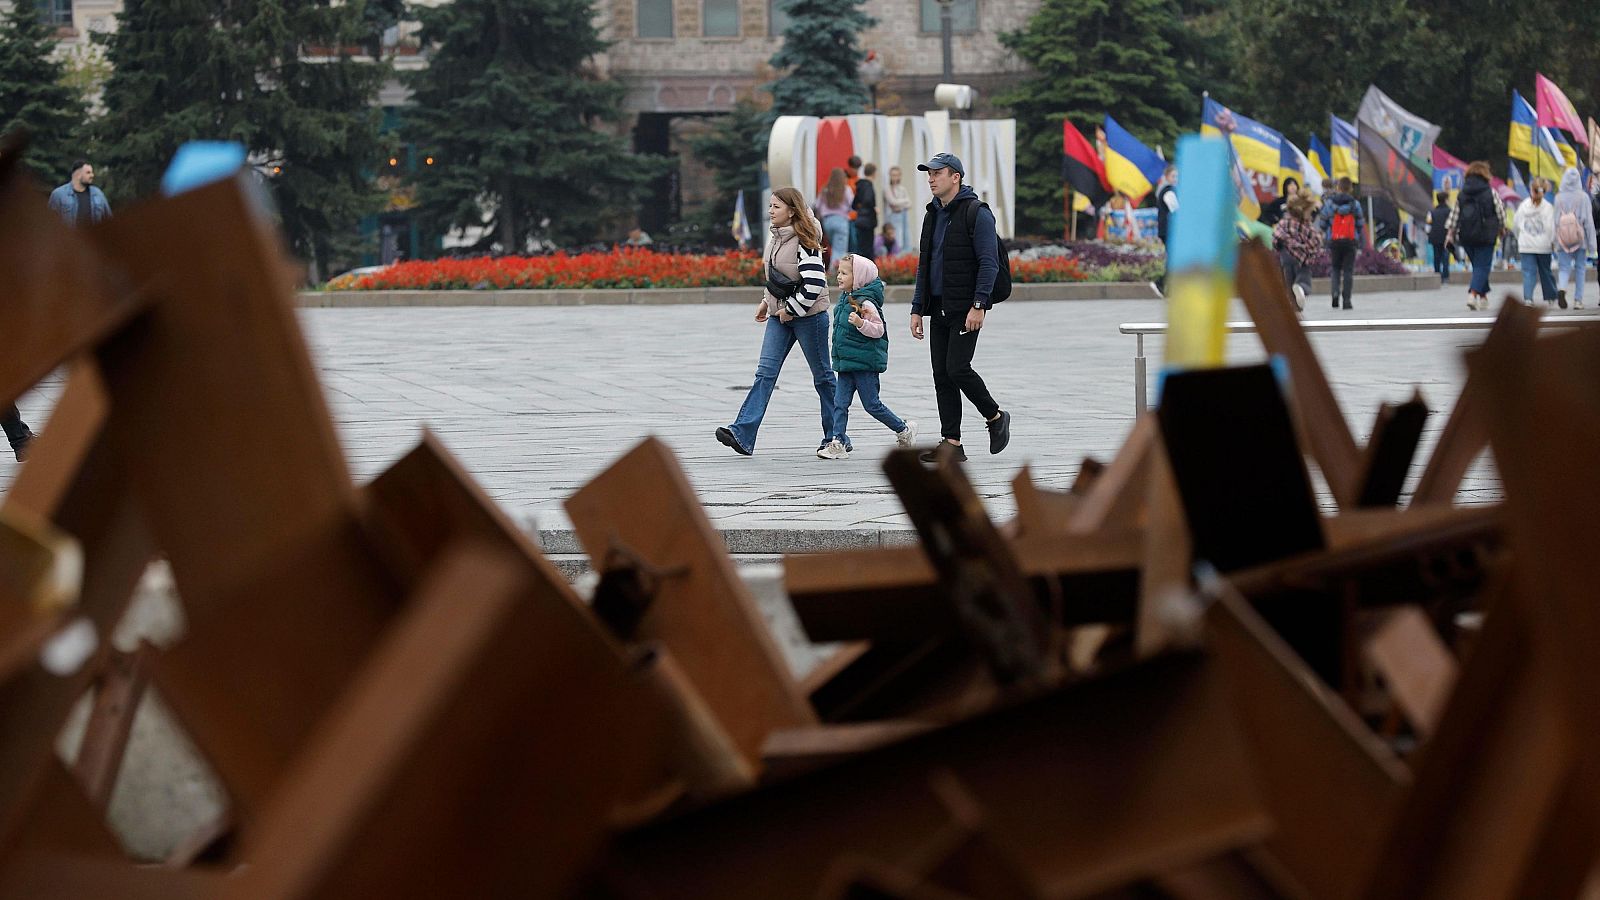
x,y
624,267
635,267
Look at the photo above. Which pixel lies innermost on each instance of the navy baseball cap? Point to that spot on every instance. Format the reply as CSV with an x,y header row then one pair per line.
x,y
943,161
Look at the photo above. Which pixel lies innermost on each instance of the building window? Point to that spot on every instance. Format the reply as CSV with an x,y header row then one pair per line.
x,y
719,18
963,16
655,18
55,13
777,17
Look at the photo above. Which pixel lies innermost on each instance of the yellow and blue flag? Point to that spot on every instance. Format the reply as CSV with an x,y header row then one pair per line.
x,y
1131,167
1343,138
1569,153
1320,158
1548,160
1524,122
1294,164
740,226
1256,145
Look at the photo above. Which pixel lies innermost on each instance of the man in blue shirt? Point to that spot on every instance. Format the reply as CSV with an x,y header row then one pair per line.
x,y
955,277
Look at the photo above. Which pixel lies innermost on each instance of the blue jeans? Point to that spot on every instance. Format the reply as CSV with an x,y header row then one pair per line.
x,y
1572,265
1441,262
1540,263
865,384
811,333
837,230
1481,257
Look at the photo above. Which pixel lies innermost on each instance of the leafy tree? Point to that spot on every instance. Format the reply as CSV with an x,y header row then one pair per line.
x,y
510,110
1302,59
275,75
1090,58
819,56
735,149
35,96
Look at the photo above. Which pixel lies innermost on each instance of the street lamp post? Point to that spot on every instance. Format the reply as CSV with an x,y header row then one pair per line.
x,y
946,28
870,71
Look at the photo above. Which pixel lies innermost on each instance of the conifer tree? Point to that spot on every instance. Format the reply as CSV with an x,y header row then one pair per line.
x,y
819,57
1091,58
510,110
34,96
275,75
735,149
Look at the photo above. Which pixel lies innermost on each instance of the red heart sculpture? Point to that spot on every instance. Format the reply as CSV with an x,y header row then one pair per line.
x,y
834,147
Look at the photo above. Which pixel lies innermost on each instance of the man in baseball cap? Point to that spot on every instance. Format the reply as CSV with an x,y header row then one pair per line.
x,y
955,278
943,161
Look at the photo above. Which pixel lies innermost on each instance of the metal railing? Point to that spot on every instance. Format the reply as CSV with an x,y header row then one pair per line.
x,y
1473,323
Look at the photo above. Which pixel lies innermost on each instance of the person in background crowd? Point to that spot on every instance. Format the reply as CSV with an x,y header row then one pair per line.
x,y
1575,237
1166,205
1474,226
1273,212
1298,242
887,243
1438,227
1536,237
897,199
864,207
1343,229
638,237
833,211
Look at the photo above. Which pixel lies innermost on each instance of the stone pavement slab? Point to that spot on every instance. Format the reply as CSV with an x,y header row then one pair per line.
x,y
537,400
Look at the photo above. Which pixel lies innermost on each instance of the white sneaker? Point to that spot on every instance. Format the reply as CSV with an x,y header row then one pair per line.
x,y
833,450
907,437
1299,297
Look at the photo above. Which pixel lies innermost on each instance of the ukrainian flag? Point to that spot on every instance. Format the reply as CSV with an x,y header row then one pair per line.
x,y
1294,164
1569,153
1344,150
1519,145
1257,146
1321,160
1548,159
1131,167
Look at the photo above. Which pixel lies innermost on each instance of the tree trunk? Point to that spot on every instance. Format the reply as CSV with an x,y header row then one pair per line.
x,y
508,224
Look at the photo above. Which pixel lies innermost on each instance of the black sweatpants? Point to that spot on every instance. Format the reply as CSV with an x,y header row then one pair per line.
x,y
1343,256
952,370
16,430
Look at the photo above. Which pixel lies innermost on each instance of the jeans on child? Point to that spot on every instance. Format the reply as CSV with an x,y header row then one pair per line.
x,y
865,384
811,333
1572,265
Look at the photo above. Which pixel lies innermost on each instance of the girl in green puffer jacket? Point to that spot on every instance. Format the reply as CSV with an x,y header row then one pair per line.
x,y
860,353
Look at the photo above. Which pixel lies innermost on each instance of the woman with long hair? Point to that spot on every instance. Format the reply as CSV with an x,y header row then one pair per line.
x,y
794,305
833,209
1475,226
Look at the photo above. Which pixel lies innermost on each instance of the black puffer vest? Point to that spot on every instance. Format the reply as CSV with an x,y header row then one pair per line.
x,y
960,259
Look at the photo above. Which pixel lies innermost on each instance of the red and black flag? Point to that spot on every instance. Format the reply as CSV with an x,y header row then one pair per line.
x,y
1082,167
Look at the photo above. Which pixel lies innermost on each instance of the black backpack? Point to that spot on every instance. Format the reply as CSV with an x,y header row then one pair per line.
x,y
1477,224
1002,275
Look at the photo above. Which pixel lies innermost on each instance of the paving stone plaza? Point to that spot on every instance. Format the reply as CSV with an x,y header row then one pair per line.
x,y
535,401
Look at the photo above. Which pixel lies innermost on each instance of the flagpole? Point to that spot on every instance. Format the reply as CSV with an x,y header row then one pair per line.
x,y
1066,212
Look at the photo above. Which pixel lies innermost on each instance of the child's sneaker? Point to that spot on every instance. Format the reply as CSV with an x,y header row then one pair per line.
x,y
833,450
907,437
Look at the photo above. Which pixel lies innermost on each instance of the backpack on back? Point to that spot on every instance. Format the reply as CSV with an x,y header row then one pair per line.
x,y
1344,224
1569,232
1002,274
1476,222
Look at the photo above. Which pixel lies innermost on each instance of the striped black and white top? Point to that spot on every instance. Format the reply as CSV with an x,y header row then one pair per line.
x,y
810,267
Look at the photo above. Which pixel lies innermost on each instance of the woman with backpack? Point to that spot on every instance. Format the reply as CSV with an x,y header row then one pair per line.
x,y
1536,241
1575,238
1475,225
1343,227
